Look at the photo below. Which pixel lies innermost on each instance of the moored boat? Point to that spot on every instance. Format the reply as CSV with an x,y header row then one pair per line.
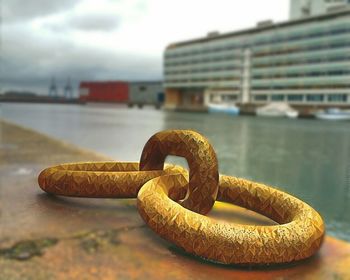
x,y
277,110
293,114
333,114
225,108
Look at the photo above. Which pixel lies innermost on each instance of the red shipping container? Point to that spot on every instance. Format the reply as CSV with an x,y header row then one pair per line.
x,y
113,91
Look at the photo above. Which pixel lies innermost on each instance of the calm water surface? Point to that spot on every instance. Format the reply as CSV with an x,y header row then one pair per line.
x,y
308,158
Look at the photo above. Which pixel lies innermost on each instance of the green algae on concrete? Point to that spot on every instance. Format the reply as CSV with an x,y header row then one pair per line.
x,y
24,250
93,241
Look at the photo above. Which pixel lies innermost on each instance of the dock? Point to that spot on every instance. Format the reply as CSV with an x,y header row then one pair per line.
x,y
51,237
39,99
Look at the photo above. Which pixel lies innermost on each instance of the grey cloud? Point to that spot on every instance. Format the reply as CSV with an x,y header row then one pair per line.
x,y
94,22
29,59
32,67
97,69
87,22
21,10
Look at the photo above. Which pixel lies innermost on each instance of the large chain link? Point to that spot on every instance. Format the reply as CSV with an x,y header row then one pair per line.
x,y
172,202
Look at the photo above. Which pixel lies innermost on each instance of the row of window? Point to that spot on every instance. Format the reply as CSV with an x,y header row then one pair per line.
x,y
280,75
283,50
260,87
307,97
208,50
336,31
202,60
288,50
229,78
202,70
303,60
271,40
305,74
285,62
205,55
272,87
223,98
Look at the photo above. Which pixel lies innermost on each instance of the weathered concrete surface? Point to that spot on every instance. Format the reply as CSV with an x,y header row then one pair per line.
x,y
47,237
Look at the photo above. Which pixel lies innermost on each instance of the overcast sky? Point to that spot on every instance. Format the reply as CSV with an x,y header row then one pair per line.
x,y
109,39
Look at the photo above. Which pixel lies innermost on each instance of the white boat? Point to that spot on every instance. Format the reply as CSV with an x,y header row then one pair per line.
x,y
293,114
334,114
277,110
226,108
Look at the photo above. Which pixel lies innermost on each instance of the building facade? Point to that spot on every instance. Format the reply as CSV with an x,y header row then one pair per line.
x,y
303,62
146,93
306,8
104,91
133,93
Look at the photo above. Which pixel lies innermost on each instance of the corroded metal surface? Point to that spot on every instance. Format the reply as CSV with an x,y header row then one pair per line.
x,y
107,239
298,236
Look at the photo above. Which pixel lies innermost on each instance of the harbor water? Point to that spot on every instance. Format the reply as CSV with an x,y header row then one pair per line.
x,y
307,158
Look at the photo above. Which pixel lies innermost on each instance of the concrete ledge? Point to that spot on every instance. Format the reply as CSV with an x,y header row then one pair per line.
x,y
48,237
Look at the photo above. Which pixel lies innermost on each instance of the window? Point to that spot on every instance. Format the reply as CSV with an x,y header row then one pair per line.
x,y
277,97
215,98
228,97
260,97
142,88
337,98
315,97
296,97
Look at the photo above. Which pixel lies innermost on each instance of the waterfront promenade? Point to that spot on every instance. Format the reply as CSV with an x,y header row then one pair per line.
x,y
48,237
